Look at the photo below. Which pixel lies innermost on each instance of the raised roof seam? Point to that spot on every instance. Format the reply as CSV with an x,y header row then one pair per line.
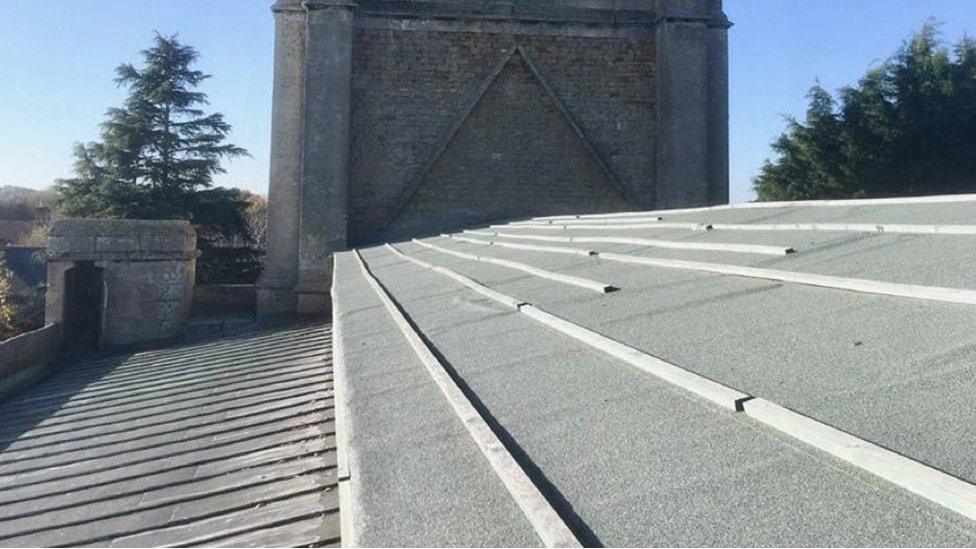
x,y
546,521
919,478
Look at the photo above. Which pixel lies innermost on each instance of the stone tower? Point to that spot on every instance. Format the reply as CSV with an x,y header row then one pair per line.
x,y
397,118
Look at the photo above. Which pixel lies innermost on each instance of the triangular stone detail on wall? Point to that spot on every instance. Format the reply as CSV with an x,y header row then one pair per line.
x,y
515,155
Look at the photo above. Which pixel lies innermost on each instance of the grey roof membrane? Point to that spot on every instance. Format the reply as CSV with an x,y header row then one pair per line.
x,y
632,460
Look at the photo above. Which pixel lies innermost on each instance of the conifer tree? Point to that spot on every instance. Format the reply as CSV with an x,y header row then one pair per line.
x,y
907,128
158,156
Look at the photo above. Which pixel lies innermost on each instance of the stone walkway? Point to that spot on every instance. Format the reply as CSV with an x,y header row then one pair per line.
x,y
225,442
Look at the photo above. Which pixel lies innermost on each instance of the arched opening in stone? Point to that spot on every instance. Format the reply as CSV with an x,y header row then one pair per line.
x,y
83,305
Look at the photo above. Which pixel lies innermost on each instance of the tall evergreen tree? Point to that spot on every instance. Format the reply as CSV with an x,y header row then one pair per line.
x,y
907,128
158,157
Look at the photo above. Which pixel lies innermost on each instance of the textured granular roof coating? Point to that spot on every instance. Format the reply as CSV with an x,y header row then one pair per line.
x,y
638,461
223,442
415,465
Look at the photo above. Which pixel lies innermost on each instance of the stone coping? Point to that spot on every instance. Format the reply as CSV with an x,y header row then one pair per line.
x,y
132,239
564,11
113,227
24,358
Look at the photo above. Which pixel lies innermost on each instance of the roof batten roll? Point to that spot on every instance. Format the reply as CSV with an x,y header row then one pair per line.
x,y
612,227
670,244
504,299
914,291
934,199
923,480
931,293
595,286
531,247
928,482
544,519
893,228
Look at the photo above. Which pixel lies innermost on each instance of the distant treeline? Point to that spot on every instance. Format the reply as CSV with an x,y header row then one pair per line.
x,y
907,128
17,211
21,203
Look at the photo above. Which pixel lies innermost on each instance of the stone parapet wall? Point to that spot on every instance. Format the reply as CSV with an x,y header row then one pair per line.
x,y
25,358
223,300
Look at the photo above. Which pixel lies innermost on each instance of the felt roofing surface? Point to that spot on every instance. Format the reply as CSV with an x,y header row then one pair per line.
x,y
627,458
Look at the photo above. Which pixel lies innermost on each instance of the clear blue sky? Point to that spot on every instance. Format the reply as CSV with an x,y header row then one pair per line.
x,y
57,59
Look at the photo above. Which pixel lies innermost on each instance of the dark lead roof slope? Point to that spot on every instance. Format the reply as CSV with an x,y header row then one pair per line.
x,y
227,442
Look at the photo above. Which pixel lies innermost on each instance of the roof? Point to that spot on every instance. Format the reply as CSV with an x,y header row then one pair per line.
x,y
222,442
761,374
25,265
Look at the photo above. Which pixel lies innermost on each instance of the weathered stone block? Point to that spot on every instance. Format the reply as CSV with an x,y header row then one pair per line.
x,y
59,245
170,242
122,243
